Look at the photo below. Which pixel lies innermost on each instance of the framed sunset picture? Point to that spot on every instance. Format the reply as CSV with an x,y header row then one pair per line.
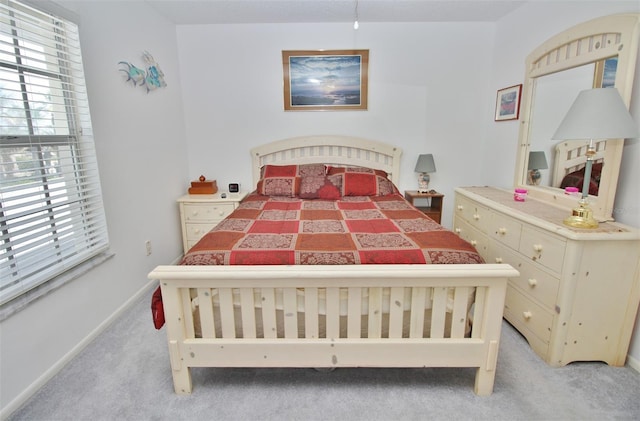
x,y
325,80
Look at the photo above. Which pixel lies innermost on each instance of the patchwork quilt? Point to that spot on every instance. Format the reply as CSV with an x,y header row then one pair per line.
x,y
277,230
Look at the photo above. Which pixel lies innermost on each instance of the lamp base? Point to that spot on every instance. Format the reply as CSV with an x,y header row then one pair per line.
x,y
423,182
582,217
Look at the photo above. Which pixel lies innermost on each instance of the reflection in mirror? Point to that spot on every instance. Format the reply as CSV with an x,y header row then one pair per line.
x,y
537,162
553,94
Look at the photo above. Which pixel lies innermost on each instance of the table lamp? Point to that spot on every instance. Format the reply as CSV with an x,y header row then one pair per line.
x,y
424,166
596,114
537,162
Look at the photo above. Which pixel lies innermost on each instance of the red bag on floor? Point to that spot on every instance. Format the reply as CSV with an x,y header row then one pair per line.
x,y
157,309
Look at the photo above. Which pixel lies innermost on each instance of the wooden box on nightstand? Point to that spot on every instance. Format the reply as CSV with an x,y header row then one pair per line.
x,y
201,212
434,210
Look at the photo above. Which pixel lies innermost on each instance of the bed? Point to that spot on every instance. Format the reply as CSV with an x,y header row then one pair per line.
x,y
301,311
570,159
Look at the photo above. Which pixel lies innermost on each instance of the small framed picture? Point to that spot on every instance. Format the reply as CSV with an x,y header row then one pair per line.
x,y
508,103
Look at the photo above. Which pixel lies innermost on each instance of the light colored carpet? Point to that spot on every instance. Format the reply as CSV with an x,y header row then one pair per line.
x,y
125,375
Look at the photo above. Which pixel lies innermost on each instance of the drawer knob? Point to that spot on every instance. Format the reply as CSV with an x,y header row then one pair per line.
x,y
474,243
537,247
502,231
476,216
458,230
532,282
498,259
221,213
460,207
527,315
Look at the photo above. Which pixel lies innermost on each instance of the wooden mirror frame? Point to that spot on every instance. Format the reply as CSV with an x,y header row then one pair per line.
x,y
589,42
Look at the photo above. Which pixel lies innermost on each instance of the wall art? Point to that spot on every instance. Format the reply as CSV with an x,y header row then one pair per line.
x,y
508,103
150,78
325,80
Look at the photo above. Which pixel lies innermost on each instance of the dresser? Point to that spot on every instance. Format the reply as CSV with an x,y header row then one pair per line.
x,y
201,212
578,291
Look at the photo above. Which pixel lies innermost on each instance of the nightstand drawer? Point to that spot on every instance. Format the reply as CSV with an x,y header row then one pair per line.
x,y
476,215
194,232
210,212
543,248
520,310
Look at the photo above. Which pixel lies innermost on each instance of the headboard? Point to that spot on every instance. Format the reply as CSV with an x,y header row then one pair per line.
x,y
570,156
328,149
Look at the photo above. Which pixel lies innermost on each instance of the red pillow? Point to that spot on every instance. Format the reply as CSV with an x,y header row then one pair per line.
x,y
284,180
320,187
362,181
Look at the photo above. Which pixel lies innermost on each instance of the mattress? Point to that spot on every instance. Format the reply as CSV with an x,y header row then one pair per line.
x,y
276,230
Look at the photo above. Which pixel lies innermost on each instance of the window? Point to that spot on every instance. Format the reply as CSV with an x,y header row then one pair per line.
x,y
51,213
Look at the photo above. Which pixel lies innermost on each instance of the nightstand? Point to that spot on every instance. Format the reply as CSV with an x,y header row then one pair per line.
x,y
434,199
201,212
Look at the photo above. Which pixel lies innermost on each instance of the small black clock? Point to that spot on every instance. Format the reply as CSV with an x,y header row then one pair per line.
x,y
234,187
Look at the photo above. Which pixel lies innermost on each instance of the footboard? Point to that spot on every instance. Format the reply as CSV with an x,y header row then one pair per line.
x,y
334,316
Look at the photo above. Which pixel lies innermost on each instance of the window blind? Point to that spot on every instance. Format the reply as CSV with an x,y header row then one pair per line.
x,y
51,212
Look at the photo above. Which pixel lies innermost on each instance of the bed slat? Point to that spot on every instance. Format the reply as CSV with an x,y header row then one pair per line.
x,y
478,311
269,313
247,307
438,312
227,319
311,313
396,312
375,313
290,313
354,322
459,316
418,300
185,295
206,313
333,312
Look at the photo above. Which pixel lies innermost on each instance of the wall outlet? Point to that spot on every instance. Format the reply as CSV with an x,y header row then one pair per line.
x,y
147,244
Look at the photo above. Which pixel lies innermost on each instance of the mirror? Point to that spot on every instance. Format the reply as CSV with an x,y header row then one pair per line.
x,y
553,94
601,52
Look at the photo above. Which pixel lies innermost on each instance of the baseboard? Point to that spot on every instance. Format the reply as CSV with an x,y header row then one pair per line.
x,y
633,363
54,369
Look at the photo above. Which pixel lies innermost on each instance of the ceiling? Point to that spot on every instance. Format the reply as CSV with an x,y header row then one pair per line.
x,y
189,12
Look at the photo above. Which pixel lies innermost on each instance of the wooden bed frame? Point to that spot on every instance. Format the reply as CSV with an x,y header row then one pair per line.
x,y
293,304
570,156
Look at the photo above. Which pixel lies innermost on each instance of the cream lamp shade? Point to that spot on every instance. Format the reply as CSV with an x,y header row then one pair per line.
x,y
596,114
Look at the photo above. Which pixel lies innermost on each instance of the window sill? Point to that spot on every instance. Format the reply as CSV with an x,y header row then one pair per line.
x,y
12,307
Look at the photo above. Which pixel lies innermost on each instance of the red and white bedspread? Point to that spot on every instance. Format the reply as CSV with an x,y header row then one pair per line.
x,y
273,230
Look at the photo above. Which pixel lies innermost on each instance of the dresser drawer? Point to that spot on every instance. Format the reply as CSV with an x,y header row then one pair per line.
x,y
209,212
505,229
472,212
523,312
543,248
194,232
467,232
533,281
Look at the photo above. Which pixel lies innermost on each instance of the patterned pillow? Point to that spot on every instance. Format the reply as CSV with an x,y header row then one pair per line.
x,y
361,181
284,180
320,187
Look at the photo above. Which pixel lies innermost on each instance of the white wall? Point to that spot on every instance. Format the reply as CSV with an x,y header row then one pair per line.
x,y
432,90
143,166
516,36
428,90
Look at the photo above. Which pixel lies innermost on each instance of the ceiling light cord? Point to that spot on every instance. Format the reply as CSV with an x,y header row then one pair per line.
x,y
356,25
